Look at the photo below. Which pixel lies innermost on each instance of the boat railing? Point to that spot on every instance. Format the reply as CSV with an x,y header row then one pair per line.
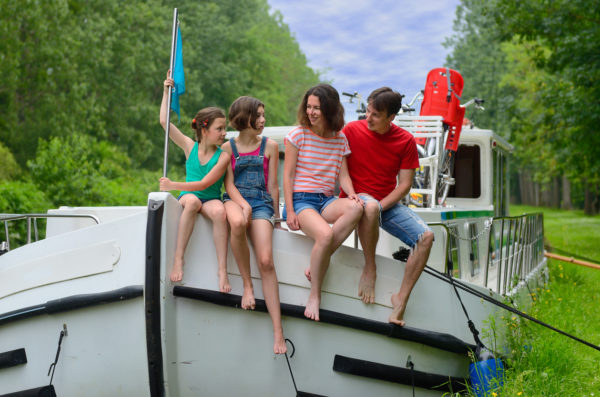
x,y
515,248
31,221
431,130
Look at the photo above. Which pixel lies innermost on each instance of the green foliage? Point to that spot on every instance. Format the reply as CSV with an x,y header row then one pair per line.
x,y
21,198
545,363
567,37
74,70
477,55
538,66
8,166
80,170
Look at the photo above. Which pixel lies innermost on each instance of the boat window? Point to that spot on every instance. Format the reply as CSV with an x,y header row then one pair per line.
x,y
467,172
473,248
453,251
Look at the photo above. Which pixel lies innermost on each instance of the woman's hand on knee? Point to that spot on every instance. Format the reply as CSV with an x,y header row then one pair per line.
x,y
292,221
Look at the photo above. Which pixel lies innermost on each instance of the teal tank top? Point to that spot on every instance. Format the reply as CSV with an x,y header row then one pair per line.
x,y
195,172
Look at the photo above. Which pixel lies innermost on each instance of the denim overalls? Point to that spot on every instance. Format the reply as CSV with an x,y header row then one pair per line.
x,y
249,178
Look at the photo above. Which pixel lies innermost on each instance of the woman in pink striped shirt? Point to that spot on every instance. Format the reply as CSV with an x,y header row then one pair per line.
x,y
315,157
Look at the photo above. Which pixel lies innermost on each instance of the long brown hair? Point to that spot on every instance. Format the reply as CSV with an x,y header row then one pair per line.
x,y
331,107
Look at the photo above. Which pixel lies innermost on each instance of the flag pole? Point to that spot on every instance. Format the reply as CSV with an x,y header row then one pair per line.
x,y
171,65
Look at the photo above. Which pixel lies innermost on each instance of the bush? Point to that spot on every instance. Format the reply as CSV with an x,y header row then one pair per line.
x,y
21,198
9,169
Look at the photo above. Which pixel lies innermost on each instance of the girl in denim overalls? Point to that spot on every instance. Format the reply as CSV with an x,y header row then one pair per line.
x,y
254,161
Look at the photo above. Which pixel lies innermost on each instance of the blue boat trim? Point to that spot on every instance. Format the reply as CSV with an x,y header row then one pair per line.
x,y
430,338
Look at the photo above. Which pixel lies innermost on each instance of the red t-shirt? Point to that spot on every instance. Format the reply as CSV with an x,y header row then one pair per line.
x,y
377,159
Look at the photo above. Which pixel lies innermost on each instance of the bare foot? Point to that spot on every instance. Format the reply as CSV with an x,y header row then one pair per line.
x,y
366,286
312,308
248,299
224,285
279,346
398,311
307,274
177,272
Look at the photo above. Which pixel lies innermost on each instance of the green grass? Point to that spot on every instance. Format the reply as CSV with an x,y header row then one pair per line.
x,y
542,362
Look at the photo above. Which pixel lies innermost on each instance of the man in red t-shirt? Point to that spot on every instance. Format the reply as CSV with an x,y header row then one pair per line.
x,y
382,167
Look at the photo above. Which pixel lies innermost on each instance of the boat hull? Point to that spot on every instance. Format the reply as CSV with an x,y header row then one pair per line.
x,y
130,331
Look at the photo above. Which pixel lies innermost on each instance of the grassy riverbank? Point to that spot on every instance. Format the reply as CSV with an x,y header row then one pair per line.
x,y
543,362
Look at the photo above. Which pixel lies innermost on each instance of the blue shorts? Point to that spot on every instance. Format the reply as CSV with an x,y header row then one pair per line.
x,y
400,221
202,200
260,208
315,201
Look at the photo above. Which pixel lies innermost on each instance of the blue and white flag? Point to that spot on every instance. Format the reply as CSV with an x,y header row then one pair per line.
x,y
177,74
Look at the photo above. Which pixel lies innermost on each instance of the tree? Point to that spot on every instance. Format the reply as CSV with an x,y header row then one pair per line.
x,y
8,166
96,68
477,55
571,32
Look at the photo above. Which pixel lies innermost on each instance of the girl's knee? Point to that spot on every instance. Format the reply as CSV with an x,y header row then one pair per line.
x,y
238,224
354,209
265,264
324,237
192,205
218,214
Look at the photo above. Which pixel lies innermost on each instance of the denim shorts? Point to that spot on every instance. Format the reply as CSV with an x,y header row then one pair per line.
x,y
400,221
261,209
304,200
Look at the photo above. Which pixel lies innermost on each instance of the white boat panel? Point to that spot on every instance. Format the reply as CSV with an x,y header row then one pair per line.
x,y
60,266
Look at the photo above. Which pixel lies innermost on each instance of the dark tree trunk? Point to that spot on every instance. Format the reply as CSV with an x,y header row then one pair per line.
x,y
589,205
566,194
555,193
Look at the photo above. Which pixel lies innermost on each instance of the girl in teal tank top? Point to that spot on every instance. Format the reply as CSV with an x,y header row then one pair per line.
x,y
206,168
195,171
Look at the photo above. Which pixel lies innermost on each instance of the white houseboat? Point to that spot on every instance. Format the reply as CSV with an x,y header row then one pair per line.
x,y
89,310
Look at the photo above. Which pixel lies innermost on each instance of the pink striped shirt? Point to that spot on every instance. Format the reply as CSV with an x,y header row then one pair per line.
x,y
319,160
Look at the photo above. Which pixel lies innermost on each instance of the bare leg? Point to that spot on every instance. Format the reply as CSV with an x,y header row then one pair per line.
x,y
261,235
315,227
368,233
191,206
414,267
239,246
215,211
344,215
